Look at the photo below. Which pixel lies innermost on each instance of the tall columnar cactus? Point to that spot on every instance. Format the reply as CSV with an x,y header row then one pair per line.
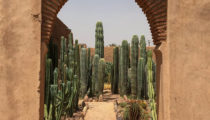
x,y
129,55
143,54
77,68
140,77
112,78
129,81
71,58
62,49
124,67
101,75
151,92
63,58
134,63
70,51
89,71
48,78
154,75
116,70
120,71
77,59
83,72
99,40
70,41
143,51
95,73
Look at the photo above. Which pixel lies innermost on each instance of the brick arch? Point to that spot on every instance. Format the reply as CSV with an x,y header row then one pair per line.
x,y
155,11
50,9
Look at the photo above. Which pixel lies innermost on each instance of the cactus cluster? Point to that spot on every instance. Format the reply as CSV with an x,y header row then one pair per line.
x,y
76,74
62,83
134,73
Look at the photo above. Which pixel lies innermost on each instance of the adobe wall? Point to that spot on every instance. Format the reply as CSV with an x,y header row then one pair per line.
x,y
189,59
20,36
59,29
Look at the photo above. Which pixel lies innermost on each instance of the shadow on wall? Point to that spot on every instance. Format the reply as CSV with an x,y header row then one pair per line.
x,y
158,56
59,29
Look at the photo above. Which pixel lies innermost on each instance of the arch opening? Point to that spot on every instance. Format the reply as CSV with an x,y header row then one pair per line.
x,y
156,14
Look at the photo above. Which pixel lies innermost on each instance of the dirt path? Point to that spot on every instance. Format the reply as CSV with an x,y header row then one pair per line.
x,y
102,110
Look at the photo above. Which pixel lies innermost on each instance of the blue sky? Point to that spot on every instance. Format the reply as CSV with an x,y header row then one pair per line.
x,y
121,20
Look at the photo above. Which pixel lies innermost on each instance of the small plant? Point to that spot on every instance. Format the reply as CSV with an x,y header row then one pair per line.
x,y
123,104
134,111
126,115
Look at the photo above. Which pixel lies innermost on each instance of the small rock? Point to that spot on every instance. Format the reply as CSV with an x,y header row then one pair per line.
x,y
125,98
84,111
90,100
86,98
100,98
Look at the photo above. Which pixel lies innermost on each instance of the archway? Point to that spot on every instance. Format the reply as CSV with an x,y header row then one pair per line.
x,y
155,11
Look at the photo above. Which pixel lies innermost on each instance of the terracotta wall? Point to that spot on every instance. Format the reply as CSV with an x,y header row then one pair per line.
x,y
108,53
189,59
20,38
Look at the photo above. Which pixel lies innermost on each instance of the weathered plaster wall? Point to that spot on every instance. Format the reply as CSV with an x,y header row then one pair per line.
x,y
20,38
189,41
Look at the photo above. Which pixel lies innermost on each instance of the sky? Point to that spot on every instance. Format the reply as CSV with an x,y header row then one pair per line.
x,y
121,20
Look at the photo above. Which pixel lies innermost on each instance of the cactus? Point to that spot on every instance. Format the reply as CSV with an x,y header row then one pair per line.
x,y
120,71
134,63
62,52
89,71
71,57
143,54
154,74
70,41
124,67
112,79
101,75
116,70
95,73
140,77
47,82
129,81
99,40
83,72
151,92
77,59
143,51
77,68
70,51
